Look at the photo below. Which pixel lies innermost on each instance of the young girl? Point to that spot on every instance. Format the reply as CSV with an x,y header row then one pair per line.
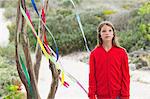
x,y
109,71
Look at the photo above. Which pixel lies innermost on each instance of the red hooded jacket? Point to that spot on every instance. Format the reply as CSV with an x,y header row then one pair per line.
x,y
109,74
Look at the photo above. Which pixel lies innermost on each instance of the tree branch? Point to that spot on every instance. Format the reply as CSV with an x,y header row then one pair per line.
x,y
25,43
38,52
19,68
55,80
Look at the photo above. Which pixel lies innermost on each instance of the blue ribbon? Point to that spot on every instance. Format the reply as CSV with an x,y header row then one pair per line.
x,y
35,8
81,27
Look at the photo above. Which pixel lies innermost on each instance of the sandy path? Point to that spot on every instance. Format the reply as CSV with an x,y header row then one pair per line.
x,y
80,71
4,32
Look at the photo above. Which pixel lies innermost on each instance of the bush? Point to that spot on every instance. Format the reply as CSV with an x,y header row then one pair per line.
x,y
8,3
8,74
9,51
9,15
127,6
67,3
63,24
8,70
108,12
14,93
145,9
136,35
67,32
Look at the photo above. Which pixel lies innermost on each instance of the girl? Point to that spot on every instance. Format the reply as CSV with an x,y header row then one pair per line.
x,y
109,71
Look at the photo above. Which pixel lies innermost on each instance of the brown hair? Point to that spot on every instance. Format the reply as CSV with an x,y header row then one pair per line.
x,y
99,39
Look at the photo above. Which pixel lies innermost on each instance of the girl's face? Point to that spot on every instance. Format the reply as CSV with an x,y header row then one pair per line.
x,y
106,33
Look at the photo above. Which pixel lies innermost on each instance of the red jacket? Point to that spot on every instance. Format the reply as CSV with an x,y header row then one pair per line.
x,y
109,74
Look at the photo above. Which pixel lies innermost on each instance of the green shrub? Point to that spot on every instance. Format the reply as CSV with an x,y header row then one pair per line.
x,y
8,51
135,39
108,12
67,3
14,93
63,24
9,15
127,6
137,33
8,74
64,12
8,70
145,9
8,3
67,32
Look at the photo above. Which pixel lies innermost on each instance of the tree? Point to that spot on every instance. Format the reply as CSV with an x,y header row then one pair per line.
x,y
32,69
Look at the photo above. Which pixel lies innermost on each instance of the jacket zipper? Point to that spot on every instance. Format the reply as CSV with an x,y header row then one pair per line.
x,y
108,77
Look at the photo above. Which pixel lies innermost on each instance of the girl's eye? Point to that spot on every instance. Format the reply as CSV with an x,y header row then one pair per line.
x,y
110,30
104,31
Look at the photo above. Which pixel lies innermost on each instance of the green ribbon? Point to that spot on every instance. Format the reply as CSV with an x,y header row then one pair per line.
x,y
26,74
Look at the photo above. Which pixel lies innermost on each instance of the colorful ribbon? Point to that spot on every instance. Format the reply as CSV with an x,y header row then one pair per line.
x,y
34,5
75,80
26,74
81,27
65,83
48,56
35,8
45,49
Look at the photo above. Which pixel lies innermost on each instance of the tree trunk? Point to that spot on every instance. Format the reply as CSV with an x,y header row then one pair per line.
x,y
19,68
33,71
25,43
55,80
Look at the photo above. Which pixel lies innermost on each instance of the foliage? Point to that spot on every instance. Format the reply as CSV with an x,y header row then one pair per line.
x,y
108,12
63,24
64,12
136,36
127,6
12,30
145,9
67,3
67,32
8,74
8,70
14,93
8,3
8,52
7,13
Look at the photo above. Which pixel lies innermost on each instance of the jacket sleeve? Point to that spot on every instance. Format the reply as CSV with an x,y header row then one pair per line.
x,y
92,81
125,85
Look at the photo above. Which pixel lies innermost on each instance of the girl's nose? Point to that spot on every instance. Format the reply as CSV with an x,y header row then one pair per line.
x,y
106,33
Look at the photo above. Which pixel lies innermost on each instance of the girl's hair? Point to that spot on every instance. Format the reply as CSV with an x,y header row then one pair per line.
x,y
99,39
